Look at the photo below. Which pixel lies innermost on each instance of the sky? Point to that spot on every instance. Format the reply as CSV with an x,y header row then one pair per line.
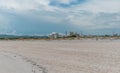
x,y
31,17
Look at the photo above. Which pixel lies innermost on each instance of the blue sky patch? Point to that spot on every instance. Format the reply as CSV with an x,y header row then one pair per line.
x,y
65,5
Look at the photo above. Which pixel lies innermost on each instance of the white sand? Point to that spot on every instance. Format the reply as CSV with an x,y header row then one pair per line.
x,y
12,63
85,56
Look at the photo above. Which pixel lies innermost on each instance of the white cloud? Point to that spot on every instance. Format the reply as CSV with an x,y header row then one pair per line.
x,y
97,6
23,4
88,5
65,1
85,15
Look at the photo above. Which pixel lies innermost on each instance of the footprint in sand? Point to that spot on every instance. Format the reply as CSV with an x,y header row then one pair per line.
x,y
12,63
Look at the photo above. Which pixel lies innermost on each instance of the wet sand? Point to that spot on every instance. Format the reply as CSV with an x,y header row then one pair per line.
x,y
75,56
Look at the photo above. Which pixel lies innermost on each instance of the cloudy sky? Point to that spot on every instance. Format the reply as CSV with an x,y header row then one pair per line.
x,y
46,16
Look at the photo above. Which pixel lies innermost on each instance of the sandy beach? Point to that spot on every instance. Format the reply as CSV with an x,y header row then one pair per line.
x,y
70,56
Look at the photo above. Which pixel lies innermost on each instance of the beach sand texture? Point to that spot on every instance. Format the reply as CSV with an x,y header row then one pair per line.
x,y
75,56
